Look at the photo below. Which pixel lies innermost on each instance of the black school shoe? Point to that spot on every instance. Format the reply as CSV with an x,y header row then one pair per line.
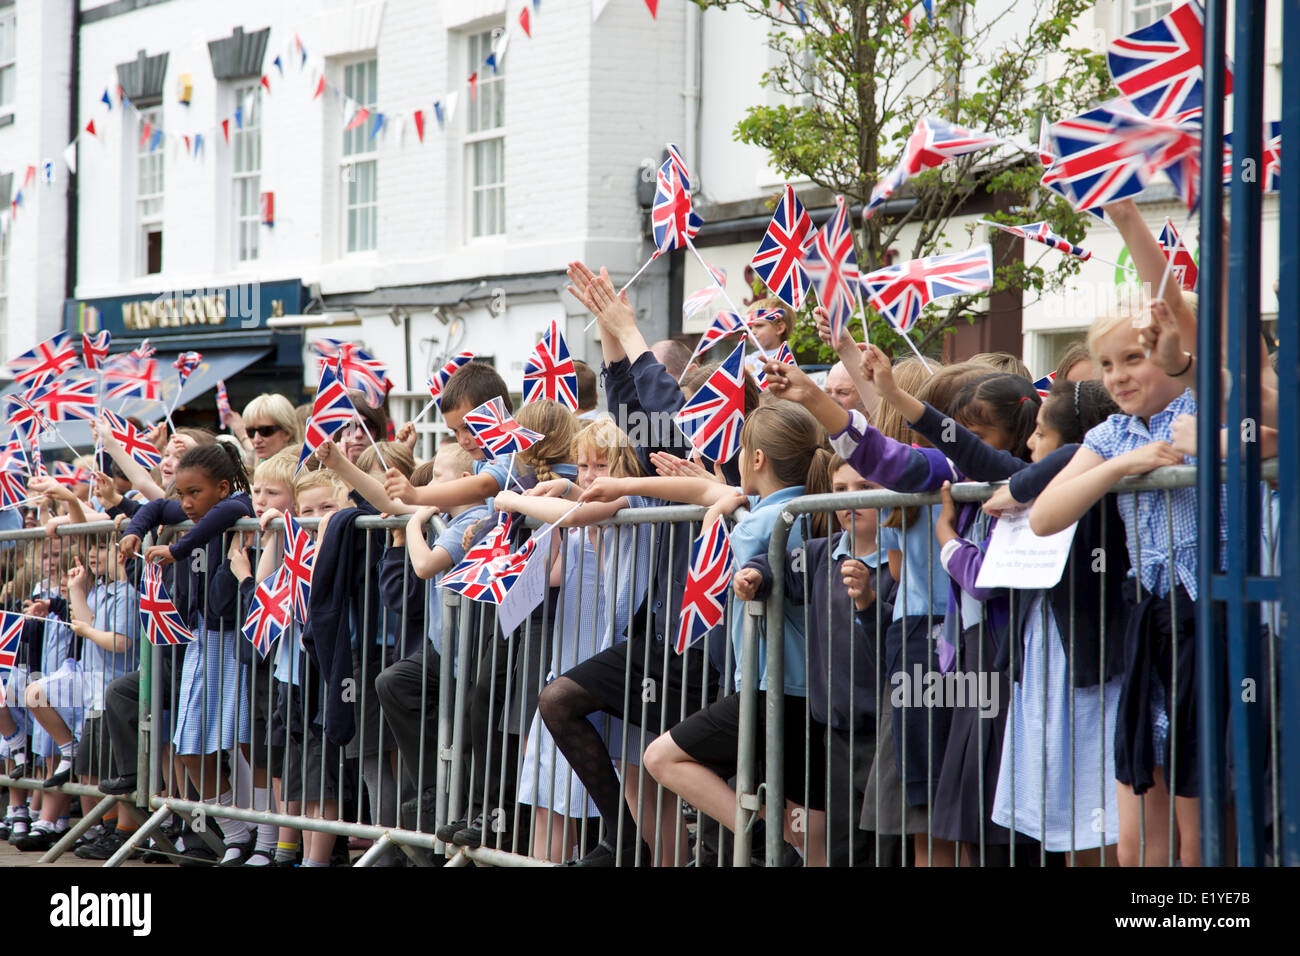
x,y
116,786
104,848
447,832
57,779
605,855
245,850
35,839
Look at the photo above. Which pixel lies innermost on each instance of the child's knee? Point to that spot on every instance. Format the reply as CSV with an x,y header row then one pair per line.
x,y
35,695
659,756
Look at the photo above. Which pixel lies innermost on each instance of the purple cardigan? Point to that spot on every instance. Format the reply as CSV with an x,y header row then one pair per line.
x,y
900,467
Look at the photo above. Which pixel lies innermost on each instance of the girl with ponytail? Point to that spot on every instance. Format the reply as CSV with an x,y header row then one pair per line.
x,y
783,455
212,490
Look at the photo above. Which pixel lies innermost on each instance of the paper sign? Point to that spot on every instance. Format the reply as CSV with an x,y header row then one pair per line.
x,y
1018,558
528,590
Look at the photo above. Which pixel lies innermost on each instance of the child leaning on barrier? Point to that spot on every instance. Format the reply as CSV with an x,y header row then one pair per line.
x,y
1150,378
213,492
409,689
272,495
782,456
604,573
837,579
1065,658
914,737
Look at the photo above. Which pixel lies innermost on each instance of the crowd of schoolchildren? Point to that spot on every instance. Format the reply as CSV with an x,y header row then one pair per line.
x,y
588,738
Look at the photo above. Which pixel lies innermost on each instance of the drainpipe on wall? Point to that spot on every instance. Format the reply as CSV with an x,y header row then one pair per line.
x,y
74,126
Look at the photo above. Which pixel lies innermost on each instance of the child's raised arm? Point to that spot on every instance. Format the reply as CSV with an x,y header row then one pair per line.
x,y
690,491
83,618
444,495
369,487
427,562
555,510
131,469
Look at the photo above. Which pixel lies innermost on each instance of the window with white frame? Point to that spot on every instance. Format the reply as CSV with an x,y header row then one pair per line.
x,y
149,193
360,164
8,66
246,174
485,143
1143,13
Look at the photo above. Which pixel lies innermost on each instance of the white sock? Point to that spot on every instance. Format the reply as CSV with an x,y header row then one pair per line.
x,y
242,776
267,833
307,862
65,756
236,831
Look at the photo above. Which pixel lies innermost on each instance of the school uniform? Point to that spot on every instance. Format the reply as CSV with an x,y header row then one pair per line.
x,y
59,672
409,690
114,608
1159,641
260,692
710,736
603,586
843,683
211,709
1065,663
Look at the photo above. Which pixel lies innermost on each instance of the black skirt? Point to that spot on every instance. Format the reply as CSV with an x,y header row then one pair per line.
x,y
920,732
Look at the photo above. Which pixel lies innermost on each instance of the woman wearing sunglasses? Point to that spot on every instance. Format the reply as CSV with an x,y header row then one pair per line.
x,y
267,426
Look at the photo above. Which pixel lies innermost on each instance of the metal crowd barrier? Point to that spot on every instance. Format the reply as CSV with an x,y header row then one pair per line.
x,y
478,721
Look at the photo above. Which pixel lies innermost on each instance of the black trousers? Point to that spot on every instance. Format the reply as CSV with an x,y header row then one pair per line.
x,y
403,687
122,712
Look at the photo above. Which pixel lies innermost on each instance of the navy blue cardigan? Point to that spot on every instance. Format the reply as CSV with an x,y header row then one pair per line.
x,y
194,593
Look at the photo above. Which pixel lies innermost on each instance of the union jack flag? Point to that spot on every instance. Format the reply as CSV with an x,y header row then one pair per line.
x,y
143,351
1108,153
1175,250
137,377
45,362
1159,67
702,297
933,142
64,401
94,348
496,432
1270,179
186,363
438,380
224,410
24,418
495,577
11,636
299,560
162,622
1039,232
779,258
549,371
330,411
13,489
783,356
125,434
704,598
359,369
1180,157
1044,385
494,546
833,267
900,292
69,475
723,325
675,157
672,219
269,614
713,417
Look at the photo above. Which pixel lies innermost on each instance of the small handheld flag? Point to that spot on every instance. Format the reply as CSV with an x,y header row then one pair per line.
x,y
496,432
550,373
712,419
162,622
703,600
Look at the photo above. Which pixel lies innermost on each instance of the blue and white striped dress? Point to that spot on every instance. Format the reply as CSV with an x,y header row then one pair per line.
x,y
1095,812
212,702
60,673
583,630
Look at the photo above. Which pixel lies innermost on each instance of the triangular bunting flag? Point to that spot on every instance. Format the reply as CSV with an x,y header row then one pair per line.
x,y
70,157
453,97
361,116
198,143
523,23
145,131
239,117
654,8
225,130
279,66
379,124
155,140
90,128
106,99
320,88
437,113
418,116
473,85
266,80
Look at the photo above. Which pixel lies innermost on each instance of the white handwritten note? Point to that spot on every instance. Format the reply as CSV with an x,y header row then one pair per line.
x,y
1018,558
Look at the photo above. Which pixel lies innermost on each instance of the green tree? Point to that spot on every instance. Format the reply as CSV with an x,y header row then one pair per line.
x,y
855,83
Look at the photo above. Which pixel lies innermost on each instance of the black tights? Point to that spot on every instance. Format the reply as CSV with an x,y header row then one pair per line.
x,y
565,705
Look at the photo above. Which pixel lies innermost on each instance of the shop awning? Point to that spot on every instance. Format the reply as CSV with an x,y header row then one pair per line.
x,y
216,366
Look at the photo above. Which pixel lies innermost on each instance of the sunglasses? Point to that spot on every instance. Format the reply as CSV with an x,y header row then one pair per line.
x,y
266,431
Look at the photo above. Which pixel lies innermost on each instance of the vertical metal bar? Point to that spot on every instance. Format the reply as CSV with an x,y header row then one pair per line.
x,y
1243,407
746,776
459,716
1209,655
774,763
1287,766
446,769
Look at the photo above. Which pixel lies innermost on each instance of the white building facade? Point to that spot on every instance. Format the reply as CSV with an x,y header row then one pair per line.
x,y
35,69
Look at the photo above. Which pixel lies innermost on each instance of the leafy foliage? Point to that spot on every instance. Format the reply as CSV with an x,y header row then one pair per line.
x,y
855,82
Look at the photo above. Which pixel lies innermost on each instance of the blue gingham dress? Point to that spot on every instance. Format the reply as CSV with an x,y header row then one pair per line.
x,y
1044,685
582,631
61,673
212,702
